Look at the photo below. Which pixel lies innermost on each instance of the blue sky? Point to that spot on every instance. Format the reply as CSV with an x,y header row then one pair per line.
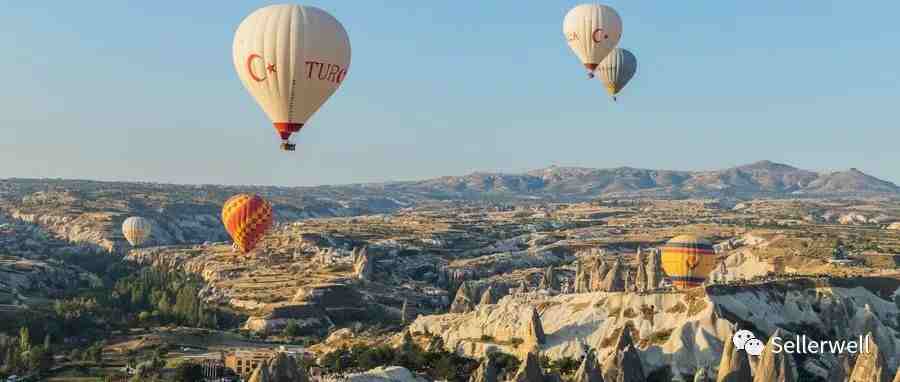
x,y
121,90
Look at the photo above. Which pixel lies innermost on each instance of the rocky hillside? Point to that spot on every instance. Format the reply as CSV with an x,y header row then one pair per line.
x,y
758,179
675,330
91,213
848,182
31,266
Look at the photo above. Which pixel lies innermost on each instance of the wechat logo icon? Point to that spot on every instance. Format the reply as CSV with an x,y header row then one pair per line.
x,y
746,341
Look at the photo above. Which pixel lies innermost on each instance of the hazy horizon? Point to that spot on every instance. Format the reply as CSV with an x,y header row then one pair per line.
x,y
126,93
125,180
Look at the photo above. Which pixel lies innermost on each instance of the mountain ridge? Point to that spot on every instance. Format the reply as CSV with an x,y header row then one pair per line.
x,y
758,179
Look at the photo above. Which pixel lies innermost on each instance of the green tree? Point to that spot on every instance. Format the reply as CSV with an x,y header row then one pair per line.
x,y
39,359
189,372
130,358
96,353
158,361
292,329
504,362
164,305
24,340
47,345
12,361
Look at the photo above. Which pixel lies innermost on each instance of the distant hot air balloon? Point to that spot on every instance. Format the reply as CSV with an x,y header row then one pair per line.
x,y
291,58
592,31
688,259
247,218
616,70
136,230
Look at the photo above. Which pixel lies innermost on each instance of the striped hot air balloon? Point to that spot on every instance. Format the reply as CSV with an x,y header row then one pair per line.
x,y
616,70
247,218
688,259
136,230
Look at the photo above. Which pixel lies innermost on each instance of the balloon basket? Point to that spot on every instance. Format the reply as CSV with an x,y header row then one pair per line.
x,y
288,146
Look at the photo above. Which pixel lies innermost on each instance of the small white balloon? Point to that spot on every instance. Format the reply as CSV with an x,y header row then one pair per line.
x,y
136,230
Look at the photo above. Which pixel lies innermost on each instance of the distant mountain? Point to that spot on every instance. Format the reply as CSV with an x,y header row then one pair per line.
x,y
849,182
760,179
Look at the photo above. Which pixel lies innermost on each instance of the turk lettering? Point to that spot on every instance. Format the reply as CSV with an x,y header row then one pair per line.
x,y
325,72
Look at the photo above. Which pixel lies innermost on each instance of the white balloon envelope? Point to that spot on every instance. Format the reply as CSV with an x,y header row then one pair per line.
x,y
136,230
291,58
592,31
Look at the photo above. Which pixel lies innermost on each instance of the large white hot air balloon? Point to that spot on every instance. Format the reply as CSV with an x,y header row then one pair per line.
x,y
616,70
136,230
592,31
291,58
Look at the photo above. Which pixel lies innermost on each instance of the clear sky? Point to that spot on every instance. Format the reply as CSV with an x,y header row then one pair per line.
x,y
145,90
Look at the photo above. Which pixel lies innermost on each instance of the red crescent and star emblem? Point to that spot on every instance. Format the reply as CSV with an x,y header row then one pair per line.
x,y
597,34
270,68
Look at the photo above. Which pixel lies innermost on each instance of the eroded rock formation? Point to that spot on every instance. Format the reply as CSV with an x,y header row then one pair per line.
x,y
624,364
870,365
486,371
589,370
281,368
735,365
530,369
775,367
462,303
487,297
534,332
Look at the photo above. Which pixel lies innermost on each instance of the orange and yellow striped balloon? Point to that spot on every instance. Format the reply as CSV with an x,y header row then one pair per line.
x,y
247,218
687,260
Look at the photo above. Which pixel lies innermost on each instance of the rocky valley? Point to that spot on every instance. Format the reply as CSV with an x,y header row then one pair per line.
x,y
553,267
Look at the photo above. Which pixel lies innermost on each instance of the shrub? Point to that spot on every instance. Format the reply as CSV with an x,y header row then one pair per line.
x,y
292,329
504,362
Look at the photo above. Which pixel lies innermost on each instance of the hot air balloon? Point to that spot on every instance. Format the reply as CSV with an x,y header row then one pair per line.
x,y
291,58
136,230
592,31
616,70
247,218
688,259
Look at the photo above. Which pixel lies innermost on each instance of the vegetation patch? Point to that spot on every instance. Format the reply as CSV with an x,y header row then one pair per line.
x,y
610,340
677,308
660,337
437,365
